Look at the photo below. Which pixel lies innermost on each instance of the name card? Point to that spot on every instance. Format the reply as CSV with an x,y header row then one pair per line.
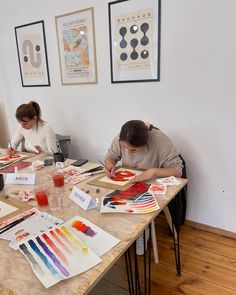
x,y
82,199
20,178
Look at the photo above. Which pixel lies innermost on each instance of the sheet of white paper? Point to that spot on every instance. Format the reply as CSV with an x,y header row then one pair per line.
x,y
6,209
169,181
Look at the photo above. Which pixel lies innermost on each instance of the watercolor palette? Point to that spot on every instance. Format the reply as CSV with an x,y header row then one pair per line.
x,y
38,222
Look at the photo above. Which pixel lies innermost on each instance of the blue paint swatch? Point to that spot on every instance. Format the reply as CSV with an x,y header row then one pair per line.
x,y
56,262
44,259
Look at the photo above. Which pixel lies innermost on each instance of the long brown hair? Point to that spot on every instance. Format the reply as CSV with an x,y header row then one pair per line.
x,y
29,111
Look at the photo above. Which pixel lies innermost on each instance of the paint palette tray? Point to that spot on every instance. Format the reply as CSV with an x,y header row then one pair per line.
x,y
36,223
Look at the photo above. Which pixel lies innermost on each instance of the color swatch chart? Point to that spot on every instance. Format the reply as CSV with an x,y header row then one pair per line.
x,y
146,203
60,253
136,200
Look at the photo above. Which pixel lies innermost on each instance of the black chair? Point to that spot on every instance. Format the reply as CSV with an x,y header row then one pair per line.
x,y
63,143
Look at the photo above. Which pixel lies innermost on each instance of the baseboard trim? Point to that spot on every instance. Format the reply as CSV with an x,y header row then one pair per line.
x,y
215,230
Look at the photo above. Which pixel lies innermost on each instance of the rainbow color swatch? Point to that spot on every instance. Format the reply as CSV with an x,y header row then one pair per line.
x,y
145,203
66,250
58,254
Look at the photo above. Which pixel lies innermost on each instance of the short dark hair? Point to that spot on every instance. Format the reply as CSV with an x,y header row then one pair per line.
x,y
134,132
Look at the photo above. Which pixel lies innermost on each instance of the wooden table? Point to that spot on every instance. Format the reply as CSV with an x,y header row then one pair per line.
x,y
16,276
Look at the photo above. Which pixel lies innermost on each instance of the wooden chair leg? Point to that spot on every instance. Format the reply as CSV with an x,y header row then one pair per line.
x,y
169,220
154,242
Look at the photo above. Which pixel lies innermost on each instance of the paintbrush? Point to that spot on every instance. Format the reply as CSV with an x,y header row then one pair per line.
x,y
11,147
14,223
110,170
10,144
99,168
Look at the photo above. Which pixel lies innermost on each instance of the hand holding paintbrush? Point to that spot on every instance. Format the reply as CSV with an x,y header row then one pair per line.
x,y
110,171
10,150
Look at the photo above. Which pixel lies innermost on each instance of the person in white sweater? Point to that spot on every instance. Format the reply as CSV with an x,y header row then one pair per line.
x,y
35,133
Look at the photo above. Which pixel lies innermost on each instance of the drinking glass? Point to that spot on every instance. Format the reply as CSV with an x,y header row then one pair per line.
x,y
57,177
41,195
55,198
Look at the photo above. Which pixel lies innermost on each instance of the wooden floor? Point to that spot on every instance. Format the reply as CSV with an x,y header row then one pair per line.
x,y
208,263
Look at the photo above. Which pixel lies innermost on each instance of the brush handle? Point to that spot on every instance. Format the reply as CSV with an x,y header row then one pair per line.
x,y
14,223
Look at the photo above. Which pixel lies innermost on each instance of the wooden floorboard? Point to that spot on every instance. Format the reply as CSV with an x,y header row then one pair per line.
x,y
208,264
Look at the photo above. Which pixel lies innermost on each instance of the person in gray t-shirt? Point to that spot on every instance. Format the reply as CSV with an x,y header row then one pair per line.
x,y
143,146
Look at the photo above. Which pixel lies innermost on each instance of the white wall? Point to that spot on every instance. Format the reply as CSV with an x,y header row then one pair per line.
x,y
194,103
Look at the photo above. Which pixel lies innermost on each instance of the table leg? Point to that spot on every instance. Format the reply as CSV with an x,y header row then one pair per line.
x,y
134,286
129,272
176,229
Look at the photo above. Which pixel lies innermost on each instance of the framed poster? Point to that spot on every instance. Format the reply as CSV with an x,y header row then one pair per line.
x,y
134,27
77,48
32,54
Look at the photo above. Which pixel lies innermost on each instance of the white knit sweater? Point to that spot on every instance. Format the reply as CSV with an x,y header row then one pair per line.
x,y
43,136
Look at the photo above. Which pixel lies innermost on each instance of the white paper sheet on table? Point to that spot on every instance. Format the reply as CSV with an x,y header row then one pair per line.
x,y
169,181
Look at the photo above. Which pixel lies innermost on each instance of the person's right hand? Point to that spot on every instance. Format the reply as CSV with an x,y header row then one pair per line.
x,y
110,171
11,151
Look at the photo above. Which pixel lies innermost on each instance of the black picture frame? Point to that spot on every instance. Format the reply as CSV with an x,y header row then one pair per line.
x,y
32,54
134,32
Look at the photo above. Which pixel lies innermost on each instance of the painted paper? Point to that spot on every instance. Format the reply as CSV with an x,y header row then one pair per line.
x,y
7,159
122,176
19,165
93,236
159,189
72,174
58,254
133,200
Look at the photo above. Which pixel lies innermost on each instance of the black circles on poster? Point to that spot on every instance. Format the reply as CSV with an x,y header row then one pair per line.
x,y
123,42
134,41
144,28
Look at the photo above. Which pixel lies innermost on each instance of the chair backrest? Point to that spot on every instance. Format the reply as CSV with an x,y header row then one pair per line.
x,y
64,142
184,172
